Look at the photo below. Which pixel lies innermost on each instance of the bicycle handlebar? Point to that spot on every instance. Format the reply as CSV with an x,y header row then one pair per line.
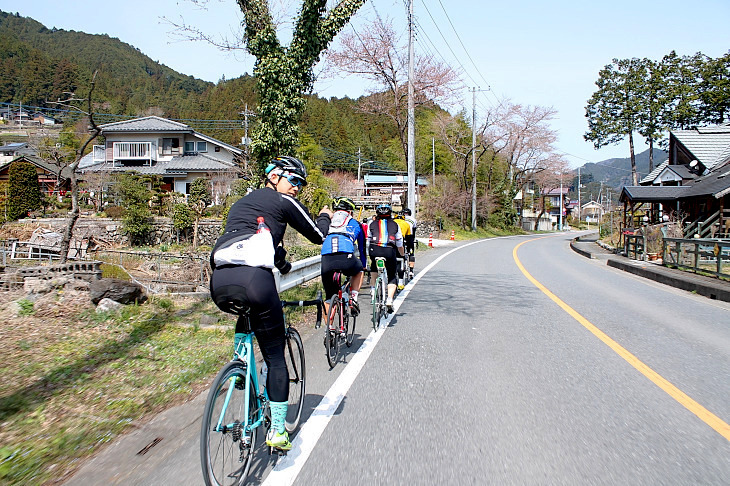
x,y
302,303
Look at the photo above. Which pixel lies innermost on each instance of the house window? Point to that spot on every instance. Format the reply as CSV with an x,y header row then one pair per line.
x,y
202,146
189,147
169,145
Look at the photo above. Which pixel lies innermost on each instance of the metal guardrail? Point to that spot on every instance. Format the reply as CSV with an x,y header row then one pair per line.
x,y
698,255
301,271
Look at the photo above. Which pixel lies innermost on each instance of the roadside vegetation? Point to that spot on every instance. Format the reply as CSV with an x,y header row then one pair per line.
x,y
74,379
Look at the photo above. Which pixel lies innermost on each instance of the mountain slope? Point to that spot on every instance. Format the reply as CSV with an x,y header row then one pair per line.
x,y
616,172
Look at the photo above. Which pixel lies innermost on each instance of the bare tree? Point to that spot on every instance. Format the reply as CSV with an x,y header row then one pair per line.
x,y
72,103
548,179
379,54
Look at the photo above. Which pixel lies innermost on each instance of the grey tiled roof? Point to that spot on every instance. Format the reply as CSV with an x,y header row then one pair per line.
x,y
146,124
716,183
652,193
180,165
43,164
710,145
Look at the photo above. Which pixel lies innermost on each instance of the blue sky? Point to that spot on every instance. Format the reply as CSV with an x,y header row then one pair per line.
x,y
529,51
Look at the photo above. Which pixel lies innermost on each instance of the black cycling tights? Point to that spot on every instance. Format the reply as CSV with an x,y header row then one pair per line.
x,y
256,287
391,264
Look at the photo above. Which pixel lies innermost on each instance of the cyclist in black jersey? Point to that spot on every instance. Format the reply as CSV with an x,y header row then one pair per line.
x,y
243,259
386,240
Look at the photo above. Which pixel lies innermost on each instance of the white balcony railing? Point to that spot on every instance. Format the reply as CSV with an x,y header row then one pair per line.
x,y
99,153
133,151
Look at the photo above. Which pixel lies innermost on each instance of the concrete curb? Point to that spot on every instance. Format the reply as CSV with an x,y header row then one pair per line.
x,y
706,286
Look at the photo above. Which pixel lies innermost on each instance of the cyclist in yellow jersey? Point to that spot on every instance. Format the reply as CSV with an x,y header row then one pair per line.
x,y
405,229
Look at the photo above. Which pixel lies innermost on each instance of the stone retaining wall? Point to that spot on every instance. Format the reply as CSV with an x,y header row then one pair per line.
x,y
111,230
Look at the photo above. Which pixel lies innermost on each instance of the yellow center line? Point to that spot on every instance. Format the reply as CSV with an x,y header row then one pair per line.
x,y
705,415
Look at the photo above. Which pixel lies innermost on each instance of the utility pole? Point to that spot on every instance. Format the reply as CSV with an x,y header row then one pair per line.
x,y
359,164
433,158
246,141
580,208
560,217
411,117
473,159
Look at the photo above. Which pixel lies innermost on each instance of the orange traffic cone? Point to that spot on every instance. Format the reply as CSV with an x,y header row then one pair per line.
x,y
430,240
453,235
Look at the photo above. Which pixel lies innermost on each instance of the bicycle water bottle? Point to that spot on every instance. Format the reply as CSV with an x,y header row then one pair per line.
x,y
264,373
262,226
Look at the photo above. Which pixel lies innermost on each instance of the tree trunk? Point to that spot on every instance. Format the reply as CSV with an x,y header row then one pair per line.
x,y
72,217
634,175
195,233
651,155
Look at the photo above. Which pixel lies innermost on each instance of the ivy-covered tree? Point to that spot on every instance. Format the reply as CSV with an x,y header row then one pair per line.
x,y
613,111
24,194
284,74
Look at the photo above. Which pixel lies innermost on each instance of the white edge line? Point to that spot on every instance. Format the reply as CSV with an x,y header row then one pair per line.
x,y
288,467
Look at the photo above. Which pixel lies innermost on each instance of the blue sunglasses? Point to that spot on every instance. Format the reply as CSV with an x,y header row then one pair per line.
x,y
295,180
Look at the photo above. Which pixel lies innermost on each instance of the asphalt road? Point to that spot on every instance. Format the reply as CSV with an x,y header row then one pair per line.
x,y
575,374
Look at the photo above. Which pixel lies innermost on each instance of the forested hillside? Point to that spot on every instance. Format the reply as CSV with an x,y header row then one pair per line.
x,y
616,172
39,64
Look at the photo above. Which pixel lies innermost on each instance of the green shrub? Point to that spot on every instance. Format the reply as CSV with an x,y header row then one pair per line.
x,y
182,216
24,194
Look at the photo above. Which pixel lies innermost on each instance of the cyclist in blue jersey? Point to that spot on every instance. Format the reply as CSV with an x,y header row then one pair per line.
x,y
345,238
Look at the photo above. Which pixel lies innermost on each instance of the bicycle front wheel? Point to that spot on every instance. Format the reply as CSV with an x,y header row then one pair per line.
x,y
332,332
349,328
294,355
226,447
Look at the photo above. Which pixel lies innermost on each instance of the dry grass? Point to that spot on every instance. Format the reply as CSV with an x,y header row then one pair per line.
x,y
71,379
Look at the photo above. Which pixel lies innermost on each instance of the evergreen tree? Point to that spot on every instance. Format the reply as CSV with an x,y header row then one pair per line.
x,y
24,193
613,111
681,80
714,90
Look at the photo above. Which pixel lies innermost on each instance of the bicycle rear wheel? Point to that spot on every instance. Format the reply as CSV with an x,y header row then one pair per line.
x,y
294,355
375,299
332,332
226,448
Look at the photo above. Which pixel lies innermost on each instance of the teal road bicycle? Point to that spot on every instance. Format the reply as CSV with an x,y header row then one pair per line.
x,y
238,405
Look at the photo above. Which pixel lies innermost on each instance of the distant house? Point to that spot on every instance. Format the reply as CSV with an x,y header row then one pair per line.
x,y
45,120
52,179
21,117
11,150
161,147
592,212
554,196
388,188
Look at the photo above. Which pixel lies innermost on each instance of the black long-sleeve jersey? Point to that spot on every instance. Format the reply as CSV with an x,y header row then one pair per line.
x,y
278,211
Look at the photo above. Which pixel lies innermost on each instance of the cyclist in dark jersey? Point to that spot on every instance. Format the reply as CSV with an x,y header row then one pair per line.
x,y
343,251
243,259
386,241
